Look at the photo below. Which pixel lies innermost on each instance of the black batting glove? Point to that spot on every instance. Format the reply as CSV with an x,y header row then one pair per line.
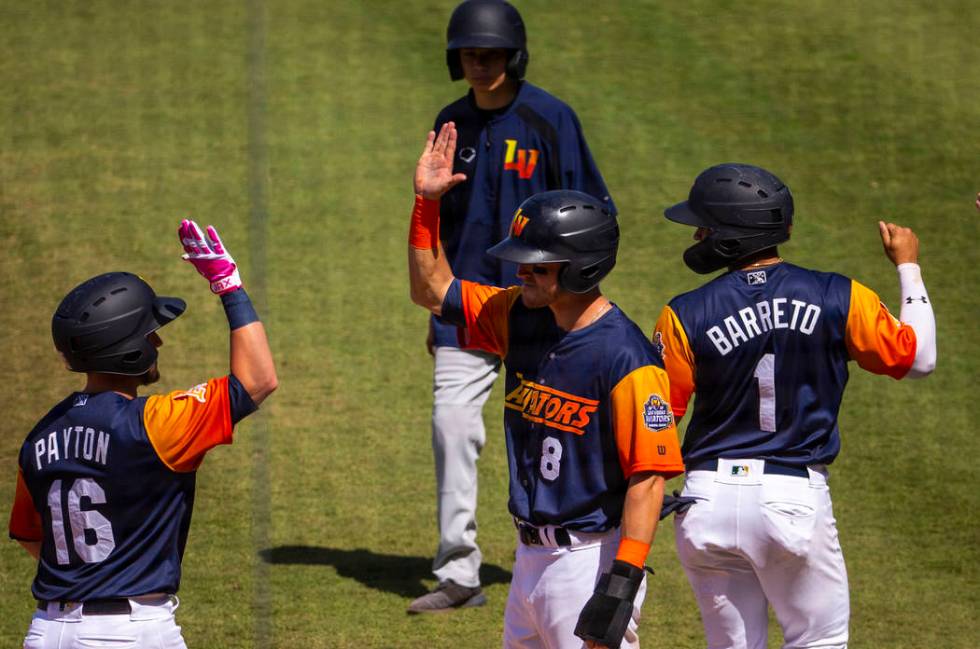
x,y
608,612
675,504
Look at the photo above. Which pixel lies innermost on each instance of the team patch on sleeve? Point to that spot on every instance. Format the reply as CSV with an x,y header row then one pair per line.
x,y
646,437
656,413
198,392
184,425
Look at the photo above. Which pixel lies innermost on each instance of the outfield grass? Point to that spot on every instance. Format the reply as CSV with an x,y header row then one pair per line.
x,y
294,127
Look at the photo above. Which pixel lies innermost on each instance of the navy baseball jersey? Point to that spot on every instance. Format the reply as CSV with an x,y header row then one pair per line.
x,y
533,145
766,352
584,410
106,484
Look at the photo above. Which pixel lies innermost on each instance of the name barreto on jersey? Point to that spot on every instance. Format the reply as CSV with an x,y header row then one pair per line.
x,y
752,321
553,408
72,443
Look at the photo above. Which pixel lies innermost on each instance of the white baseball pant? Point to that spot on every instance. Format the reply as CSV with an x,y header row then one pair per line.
x,y
551,585
755,538
461,384
150,625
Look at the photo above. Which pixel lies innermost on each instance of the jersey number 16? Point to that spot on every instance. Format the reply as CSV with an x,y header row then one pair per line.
x,y
80,521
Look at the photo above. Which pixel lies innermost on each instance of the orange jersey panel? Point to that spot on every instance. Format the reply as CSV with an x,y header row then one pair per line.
x,y
646,436
25,520
671,339
184,425
875,338
487,309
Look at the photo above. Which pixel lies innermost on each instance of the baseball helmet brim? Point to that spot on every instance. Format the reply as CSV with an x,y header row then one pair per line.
x,y
682,213
167,309
515,250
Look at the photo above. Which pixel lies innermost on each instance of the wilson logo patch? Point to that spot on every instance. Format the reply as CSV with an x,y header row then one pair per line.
x,y
656,413
553,408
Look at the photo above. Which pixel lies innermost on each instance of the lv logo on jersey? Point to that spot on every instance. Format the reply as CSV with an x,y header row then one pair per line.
x,y
553,408
522,161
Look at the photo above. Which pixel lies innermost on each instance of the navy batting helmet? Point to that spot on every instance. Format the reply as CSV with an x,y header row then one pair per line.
x,y
567,226
102,324
746,209
487,24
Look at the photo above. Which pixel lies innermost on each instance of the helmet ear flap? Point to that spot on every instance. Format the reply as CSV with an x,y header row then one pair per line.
x,y
517,64
455,65
582,279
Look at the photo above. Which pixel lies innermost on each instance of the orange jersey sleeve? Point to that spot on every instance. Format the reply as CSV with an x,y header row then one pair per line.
x,y
184,425
875,338
487,311
643,424
671,339
25,520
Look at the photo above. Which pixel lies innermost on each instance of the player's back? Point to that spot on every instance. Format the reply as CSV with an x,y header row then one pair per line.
x,y
114,516
770,357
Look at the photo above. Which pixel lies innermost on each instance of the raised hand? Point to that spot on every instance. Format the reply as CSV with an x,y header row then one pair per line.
x,y
901,244
209,257
434,173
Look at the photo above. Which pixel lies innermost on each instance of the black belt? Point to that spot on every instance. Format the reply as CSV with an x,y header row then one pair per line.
x,y
531,535
94,606
772,468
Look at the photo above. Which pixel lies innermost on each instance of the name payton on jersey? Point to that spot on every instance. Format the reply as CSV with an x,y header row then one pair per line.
x,y
762,317
74,442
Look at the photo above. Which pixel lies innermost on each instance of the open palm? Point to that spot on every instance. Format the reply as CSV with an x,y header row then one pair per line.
x,y
434,174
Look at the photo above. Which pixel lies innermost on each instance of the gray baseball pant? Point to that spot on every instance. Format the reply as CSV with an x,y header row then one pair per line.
x,y
461,384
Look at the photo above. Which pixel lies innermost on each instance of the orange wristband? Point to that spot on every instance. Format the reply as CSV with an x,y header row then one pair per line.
x,y
633,552
424,231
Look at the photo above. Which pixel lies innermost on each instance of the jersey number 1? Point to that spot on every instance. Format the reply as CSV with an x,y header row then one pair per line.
x,y
81,521
765,373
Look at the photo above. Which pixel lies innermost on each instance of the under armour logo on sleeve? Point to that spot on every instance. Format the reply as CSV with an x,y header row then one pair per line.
x,y
921,298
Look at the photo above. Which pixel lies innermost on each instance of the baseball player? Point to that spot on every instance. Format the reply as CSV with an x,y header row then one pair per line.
x,y
590,436
514,140
765,346
105,486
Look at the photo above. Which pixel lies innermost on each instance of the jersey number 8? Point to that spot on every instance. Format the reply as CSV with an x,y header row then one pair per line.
x,y
550,458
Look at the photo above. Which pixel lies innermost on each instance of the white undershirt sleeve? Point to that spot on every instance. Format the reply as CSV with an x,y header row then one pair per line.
x,y
917,313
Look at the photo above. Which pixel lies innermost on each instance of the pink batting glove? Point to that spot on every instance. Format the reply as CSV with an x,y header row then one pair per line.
x,y
209,257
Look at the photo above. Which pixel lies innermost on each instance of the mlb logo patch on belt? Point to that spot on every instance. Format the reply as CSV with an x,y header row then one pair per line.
x,y
740,469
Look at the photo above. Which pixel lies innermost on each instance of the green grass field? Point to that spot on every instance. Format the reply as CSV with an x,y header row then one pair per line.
x,y
294,126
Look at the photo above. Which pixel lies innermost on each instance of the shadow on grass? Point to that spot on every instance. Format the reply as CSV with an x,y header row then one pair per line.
x,y
388,572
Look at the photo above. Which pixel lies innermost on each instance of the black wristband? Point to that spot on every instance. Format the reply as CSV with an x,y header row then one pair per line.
x,y
239,309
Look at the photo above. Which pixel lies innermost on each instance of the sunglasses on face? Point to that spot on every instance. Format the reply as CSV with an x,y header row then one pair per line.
x,y
540,270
